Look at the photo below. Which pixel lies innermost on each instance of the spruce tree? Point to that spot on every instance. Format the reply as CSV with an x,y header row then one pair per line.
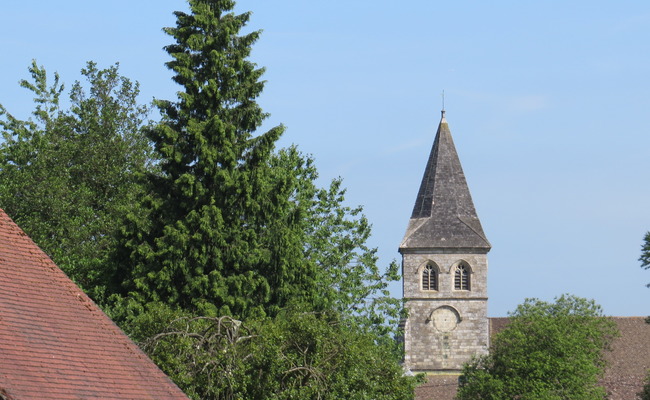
x,y
223,234
238,233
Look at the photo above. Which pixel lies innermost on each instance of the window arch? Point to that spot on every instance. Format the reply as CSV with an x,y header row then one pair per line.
x,y
429,277
462,279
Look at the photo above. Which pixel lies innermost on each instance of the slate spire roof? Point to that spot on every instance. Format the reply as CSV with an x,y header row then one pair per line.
x,y
444,216
55,342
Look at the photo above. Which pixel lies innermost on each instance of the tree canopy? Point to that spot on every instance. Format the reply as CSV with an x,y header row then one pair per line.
x,y
68,175
294,355
547,351
223,230
233,227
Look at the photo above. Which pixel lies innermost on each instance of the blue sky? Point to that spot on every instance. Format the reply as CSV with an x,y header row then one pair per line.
x,y
547,102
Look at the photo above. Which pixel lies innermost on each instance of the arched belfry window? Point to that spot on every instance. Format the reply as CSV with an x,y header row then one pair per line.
x,y
429,277
462,277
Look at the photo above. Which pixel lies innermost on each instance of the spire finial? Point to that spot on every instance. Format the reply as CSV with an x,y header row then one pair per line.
x,y
443,100
443,106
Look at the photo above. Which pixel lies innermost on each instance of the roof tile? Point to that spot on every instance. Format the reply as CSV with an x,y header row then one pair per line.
x,y
55,342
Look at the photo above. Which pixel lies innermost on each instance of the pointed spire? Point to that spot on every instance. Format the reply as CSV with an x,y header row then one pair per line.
x,y
444,214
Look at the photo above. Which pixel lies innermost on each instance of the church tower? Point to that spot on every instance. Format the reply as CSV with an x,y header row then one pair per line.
x,y
444,267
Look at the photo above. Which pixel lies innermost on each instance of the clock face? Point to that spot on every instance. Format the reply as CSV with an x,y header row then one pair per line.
x,y
444,319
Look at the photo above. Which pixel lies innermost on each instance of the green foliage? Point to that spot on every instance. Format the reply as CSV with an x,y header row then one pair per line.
x,y
645,253
67,176
242,277
220,235
233,227
333,237
296,355
547,351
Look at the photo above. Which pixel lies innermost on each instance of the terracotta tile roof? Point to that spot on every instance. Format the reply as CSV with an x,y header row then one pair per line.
x,y
55,343
628,363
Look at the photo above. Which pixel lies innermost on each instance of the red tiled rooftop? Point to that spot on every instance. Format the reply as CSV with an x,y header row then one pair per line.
x,y
55,342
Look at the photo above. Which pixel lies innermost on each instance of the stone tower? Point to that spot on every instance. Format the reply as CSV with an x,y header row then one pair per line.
x,y
444,267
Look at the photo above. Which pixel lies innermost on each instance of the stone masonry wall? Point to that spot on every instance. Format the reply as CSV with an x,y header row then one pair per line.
x,y
413,263
445,328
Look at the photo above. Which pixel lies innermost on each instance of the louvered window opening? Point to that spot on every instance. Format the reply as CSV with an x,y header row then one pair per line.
x,y
429,278
461,279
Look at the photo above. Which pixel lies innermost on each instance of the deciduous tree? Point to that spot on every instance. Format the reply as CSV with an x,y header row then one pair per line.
x,y
68,175
294,355
548,351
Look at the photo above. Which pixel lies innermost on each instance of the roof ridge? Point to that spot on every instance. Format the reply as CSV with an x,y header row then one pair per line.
x,y
478,232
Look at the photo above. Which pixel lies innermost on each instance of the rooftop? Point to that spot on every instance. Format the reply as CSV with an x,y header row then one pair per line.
x,y
55,341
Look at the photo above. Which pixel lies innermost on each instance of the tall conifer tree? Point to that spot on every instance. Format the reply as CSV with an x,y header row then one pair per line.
x,y
223,224
235,229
